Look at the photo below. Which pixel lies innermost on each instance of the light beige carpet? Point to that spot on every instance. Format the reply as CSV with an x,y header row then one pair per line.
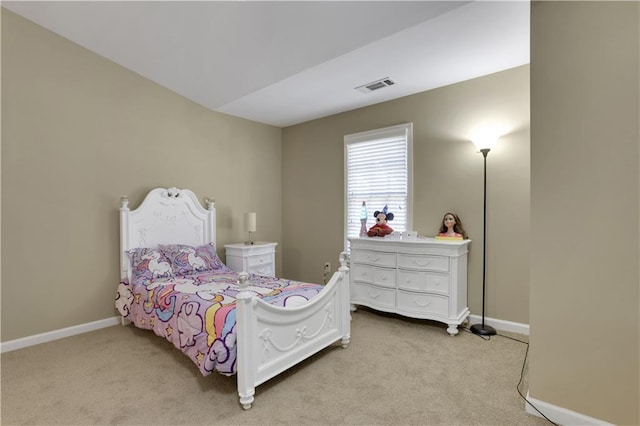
x,y
396,371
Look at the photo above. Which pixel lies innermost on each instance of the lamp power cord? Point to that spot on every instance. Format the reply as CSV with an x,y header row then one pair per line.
x,y
524,363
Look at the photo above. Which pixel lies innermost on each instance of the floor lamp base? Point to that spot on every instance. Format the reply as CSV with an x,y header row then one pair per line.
x,y
483,330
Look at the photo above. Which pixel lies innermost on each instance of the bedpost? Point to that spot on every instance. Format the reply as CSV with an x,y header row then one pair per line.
x,y
210,203
345,301
124,243
211,211
244,330
124,235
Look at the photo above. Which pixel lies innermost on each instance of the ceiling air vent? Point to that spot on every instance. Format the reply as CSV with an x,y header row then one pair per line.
x,y
375,85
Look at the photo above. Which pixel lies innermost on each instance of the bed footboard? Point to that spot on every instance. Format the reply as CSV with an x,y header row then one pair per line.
x,y
271,339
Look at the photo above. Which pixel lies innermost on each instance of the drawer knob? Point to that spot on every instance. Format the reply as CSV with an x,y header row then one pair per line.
x,y
373,294
425,263
422,305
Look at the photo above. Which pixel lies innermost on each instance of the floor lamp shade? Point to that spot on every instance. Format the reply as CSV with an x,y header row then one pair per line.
x,y
483,329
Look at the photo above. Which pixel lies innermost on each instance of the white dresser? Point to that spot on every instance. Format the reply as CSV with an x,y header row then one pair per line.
x,y
421,278
258,258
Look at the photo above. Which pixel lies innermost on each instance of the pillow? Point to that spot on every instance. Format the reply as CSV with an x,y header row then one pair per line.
x,y
148,264
186,260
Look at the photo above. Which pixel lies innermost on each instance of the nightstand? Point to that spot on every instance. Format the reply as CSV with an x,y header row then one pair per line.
x,y
258,258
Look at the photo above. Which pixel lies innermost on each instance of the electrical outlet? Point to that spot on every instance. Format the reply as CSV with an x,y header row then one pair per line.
x,y
327,271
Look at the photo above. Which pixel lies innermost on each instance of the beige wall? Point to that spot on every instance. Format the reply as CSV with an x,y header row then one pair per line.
x,y
448,175
585,298
79,131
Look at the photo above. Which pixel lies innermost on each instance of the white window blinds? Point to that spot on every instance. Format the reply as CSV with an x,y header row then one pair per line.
x,y
378,172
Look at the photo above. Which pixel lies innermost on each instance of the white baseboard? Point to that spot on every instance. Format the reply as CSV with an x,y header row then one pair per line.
x,y
560,415
514,327
12,345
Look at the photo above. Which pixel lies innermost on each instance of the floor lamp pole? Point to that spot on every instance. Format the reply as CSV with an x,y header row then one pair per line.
x,y
482,329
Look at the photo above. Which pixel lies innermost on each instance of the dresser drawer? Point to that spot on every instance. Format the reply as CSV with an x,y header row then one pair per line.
x,y
374,258
258,261
261,265
423,281
361,273
373,296
423,262
423,303
371,275
267,270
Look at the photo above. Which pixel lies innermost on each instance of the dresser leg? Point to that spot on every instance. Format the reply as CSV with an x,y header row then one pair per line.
x,y
453,329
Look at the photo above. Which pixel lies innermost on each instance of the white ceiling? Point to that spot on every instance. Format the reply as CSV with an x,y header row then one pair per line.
x,y
284,63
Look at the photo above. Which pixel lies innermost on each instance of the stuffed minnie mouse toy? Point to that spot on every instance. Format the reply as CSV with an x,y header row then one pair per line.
x,y
380,229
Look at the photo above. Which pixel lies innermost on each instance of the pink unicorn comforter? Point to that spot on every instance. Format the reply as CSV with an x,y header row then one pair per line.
x,y
197,313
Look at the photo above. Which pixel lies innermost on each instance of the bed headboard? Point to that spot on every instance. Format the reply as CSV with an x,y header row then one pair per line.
x,y
166,216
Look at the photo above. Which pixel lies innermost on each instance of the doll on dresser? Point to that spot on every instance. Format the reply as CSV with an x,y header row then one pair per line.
x,y
451,228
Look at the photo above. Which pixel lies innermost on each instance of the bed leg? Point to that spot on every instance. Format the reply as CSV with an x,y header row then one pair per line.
x,y
247,366
246,401
345,341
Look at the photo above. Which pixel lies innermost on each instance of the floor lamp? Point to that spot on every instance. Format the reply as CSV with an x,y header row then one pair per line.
x,y
483,329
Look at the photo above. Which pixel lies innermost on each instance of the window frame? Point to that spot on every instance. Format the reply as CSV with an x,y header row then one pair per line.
x,y
401,130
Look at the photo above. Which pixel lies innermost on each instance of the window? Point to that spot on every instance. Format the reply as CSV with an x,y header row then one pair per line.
x,y
378,171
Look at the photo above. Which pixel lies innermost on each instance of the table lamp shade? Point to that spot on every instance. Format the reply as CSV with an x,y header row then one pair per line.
x,y
250,222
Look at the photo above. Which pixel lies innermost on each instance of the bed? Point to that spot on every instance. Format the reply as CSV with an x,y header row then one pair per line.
x,y
229,322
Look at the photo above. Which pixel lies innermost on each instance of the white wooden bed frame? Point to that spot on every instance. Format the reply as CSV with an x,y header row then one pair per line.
x,y
270,339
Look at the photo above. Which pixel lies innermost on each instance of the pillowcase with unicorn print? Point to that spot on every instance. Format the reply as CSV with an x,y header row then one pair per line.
x,y
186,260
148,264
